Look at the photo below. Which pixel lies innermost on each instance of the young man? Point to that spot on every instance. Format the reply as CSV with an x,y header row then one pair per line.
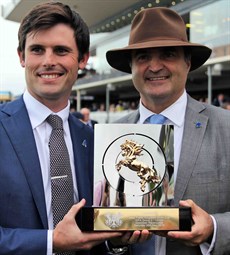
x,y
160,57
53,46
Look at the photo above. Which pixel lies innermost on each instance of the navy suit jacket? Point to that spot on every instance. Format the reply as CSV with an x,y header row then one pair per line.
x,y
23,216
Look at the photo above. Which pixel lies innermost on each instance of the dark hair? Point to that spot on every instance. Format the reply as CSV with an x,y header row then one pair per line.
x,y
47,15
187,53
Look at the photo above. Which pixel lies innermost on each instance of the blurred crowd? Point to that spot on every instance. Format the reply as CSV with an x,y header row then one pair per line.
x,y
222,100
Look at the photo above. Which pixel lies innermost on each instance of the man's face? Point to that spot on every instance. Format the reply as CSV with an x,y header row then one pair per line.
x,y
159,75
51,65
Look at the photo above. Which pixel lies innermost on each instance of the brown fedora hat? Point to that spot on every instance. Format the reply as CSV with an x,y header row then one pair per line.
x,y
157,27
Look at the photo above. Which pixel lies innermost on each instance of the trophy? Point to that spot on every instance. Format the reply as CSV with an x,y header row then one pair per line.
x,y
134,180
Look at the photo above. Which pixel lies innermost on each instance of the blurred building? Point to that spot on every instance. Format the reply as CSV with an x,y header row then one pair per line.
x,y
100,86
204,25
5,96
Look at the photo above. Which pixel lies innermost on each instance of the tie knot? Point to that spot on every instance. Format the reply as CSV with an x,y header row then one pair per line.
x,y
55,121
157,119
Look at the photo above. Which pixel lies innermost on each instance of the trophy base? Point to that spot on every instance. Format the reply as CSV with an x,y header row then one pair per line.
x,y
135,218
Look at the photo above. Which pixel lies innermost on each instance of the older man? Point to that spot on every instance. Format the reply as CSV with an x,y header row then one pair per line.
x,y
159,56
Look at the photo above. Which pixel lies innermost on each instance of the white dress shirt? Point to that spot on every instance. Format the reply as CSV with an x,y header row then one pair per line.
x,y
175,115
42,130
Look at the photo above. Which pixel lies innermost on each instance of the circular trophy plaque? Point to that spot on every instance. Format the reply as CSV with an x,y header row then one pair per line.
x,y
134,164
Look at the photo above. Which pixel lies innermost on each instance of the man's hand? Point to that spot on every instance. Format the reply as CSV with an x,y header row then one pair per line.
x,y
132,237
201,230
68,237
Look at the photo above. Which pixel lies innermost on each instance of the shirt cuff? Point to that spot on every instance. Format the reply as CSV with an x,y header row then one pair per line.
x,y
49,242
207,248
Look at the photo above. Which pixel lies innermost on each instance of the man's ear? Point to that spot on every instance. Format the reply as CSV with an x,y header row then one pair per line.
x,y
189,64
83,61
21,58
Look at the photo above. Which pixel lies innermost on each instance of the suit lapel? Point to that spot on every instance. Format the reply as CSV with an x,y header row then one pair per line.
x,y
83,158
21,135
194,130
132,117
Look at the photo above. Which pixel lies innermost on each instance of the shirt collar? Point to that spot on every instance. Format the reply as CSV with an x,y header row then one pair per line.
x,y
38,112
175,112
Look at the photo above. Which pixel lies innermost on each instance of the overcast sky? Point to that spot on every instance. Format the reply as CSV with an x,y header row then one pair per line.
x,y
11,72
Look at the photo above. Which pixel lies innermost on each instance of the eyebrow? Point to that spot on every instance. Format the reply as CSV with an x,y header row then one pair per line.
x,y
64,47
35,45
55,47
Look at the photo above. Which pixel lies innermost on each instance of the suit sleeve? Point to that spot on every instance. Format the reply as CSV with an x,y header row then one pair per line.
x,y
23,241
222,244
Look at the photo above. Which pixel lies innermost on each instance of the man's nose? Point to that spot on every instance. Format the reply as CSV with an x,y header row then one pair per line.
x,y
155,64
49,59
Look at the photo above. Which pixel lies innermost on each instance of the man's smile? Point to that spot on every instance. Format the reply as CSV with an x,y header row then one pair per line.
x,y
50,75
157,78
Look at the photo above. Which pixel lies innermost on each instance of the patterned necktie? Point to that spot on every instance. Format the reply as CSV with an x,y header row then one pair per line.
x,y
60,171
156,119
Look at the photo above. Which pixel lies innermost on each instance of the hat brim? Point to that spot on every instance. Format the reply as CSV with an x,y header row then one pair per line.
x,y
120,58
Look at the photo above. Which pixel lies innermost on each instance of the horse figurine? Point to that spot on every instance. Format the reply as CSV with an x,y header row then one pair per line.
x,y
130,151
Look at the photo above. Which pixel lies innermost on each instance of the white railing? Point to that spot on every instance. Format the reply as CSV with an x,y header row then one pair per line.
x,y
104,117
